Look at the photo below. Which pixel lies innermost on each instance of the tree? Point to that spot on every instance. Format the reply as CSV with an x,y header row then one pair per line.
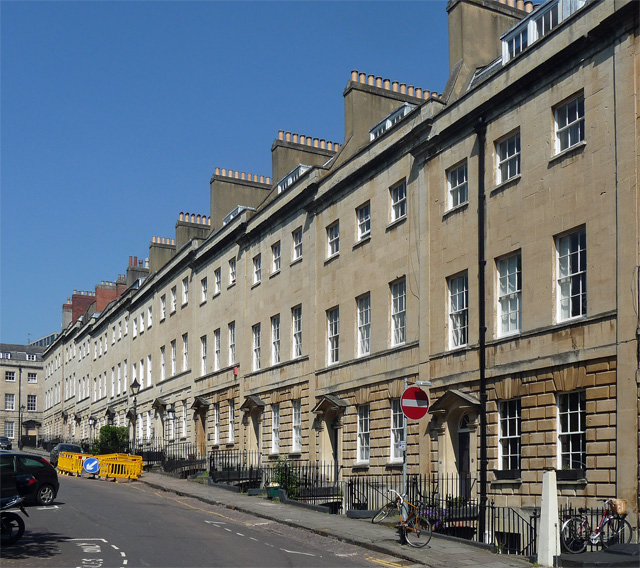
x,y
112,439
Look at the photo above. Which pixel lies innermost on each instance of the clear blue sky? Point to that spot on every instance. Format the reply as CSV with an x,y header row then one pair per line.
x,y
114,115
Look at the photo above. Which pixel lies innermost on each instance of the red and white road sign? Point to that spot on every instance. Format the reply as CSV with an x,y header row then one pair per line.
x,y
414,403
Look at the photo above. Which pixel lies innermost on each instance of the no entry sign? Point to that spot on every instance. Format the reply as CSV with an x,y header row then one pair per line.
x,y
414,403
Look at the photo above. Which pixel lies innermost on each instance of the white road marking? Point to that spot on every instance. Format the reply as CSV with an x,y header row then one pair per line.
x,y
50,507
239,534
296,552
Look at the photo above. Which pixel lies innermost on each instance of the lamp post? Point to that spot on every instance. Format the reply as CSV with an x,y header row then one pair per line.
x,y
135,389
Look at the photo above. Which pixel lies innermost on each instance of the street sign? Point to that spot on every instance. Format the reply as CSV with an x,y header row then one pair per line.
x,y
414,403
91,465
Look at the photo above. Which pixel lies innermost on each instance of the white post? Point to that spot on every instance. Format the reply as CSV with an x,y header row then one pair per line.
x,y
549,528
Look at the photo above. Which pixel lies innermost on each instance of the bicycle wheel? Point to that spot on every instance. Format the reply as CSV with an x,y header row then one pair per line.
x,y
573,535
418,531
384,512
616,531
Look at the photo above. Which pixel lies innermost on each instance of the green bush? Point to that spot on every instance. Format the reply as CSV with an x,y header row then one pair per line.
x,y
287,476
112,440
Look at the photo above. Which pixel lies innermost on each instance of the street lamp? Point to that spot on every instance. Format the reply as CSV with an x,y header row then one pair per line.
x,y
135,389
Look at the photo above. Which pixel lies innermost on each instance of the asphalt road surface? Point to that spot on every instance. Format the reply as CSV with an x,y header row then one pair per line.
x,y
98,524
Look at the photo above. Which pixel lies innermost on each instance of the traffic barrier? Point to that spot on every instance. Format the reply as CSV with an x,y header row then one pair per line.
x,y
70,463
109,466
119,469
134,463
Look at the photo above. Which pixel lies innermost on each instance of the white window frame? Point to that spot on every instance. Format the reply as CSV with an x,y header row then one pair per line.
x,y
216,423
174,299
458,289
296,332
163,308
275,257
569,124
572,430
571,275
396,455
216,350
256,333
149,316
398,312
185,351
9,401
149,375
363,304
232,271
398,196
232,342
363,435
174,355
333,239
333,336
275,339
363,220
203,290
458,186
509,434
231,436
203,355
296,240
275,428
509,294
163,369
217,277
296,426
508,153
257,269
185,290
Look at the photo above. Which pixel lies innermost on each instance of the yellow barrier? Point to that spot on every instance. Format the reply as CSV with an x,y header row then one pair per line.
x,y
133,463
120,469
112,466
71,463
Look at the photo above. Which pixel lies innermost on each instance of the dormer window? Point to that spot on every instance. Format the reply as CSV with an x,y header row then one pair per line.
x,y
288,180
390,121
537,25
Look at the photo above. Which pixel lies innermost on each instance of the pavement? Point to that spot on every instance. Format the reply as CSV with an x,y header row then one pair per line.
x,y
381,538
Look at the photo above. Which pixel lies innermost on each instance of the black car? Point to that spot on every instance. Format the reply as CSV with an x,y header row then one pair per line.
x,y
55,452
45,474
5,443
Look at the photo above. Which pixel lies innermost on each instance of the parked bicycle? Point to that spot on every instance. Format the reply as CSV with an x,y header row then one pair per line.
x,y
415,528
613,528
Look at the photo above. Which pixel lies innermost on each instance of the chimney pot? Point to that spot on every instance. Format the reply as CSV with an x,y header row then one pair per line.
x,y
315,142
287,136
354,75
295,138
426,94
520,5
268,180
280,134
410,91
370,80
363,77
322,144
528,6
217,171
387,84
403,88
379,82
261,179
394,86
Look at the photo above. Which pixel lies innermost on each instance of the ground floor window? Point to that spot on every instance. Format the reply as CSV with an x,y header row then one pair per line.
x,y
572,432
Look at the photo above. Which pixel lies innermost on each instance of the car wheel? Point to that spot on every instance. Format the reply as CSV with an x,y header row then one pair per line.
x,y
46,495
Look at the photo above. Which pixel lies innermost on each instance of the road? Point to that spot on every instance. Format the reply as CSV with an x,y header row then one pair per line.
x,y
98,524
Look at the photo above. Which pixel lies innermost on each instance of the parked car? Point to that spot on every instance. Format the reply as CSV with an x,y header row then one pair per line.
x,y
55,451
5,443
46,475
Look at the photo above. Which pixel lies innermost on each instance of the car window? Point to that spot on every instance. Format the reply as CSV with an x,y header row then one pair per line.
x,y
30,462
6,462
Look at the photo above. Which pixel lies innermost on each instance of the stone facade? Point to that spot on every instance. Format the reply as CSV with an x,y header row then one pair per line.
x,y
461,239
22,382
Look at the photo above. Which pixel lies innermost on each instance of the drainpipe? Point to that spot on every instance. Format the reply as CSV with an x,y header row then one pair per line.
x,y
481,131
